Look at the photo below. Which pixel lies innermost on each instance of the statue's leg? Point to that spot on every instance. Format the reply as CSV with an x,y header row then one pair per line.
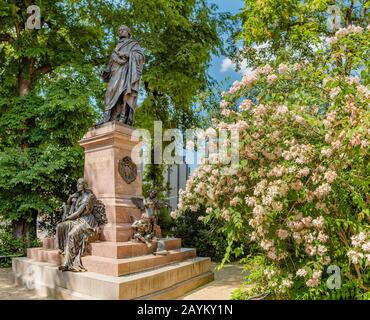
x,y
75,243
106,117
124,114
61,234
130,118
116,111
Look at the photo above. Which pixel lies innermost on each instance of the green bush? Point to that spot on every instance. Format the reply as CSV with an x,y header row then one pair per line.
x,y
10,247
209,240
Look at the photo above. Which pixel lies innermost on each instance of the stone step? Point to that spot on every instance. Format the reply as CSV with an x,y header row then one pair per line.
x,y
172,280
181,288
129,249
45,255
124,266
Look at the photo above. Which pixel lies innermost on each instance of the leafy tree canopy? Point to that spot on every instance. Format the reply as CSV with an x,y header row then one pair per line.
x,y
51,92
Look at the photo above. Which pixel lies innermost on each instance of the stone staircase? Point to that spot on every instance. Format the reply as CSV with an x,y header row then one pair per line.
x,y
116,270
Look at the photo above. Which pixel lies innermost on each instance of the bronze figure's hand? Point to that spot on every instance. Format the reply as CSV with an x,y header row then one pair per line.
x,y
105,75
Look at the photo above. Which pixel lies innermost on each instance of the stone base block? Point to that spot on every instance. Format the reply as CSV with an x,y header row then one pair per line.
x,y
45,255
129,249
170,281
119,267
116,232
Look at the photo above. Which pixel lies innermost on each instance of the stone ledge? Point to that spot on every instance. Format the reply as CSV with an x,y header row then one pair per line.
x,y
110,249
47,280
125,266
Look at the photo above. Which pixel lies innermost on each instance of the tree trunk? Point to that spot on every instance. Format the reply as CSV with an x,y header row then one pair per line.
x,y
23,228
24,78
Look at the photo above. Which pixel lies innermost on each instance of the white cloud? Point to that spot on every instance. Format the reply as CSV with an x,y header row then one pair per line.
x,y
228,65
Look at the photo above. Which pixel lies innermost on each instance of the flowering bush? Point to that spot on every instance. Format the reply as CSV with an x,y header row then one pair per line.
x,y
301,191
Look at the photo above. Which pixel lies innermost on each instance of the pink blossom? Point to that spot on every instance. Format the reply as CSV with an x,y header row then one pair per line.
x,y
283,68
250,201
282,234
330,176
332,40
174,215
272,255
322,237
321,206
312,283
225,112
246,104
321,250
327,152
334,92
223,104
282,109
277,206
316,274
249,80
299,119
258,210
366,246
234,202
355,256
271,78
364,144
297,185
310,250
363,90
287,283
301,272
322,190
266,244
356,140
266,69
225,214
303,172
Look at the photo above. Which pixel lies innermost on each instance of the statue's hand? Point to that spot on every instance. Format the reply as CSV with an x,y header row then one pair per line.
x,y
69,199
123,55
105,75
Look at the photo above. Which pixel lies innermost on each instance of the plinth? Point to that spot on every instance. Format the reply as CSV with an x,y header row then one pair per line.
x,y
118,268
104,148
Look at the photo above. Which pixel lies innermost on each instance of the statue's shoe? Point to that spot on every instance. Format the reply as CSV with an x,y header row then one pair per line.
x,y
106,118
63,268
161,253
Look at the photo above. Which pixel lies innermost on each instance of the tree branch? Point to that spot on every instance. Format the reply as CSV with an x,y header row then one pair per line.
x,y
4,37
44,69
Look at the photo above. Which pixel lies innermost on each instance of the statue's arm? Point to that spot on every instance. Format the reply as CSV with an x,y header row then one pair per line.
x,y
124,55
80,210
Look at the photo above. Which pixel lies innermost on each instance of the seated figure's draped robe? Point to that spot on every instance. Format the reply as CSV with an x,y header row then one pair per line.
x,y
124,79
72,235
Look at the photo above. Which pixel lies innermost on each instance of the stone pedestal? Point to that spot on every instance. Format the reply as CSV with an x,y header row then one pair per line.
x,y
117,267
104,148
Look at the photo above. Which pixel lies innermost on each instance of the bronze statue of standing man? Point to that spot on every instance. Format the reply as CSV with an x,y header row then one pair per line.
x,y
123,75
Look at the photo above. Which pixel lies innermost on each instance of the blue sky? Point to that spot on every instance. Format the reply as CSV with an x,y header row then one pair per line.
x,y
221,67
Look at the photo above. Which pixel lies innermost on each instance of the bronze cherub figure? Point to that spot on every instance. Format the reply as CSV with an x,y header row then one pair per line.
x,y
146,228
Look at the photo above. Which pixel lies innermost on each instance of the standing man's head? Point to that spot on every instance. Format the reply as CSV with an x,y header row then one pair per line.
x,y
124,32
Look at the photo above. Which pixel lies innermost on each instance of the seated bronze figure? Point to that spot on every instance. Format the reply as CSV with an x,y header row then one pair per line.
x,y
82,216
